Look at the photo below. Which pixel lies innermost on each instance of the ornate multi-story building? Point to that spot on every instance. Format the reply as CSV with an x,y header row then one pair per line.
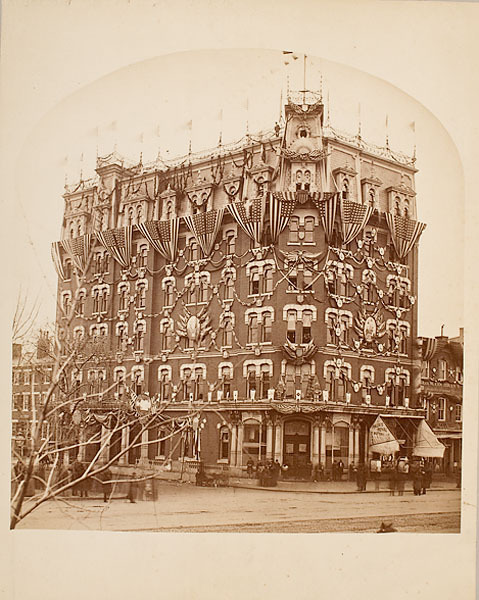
x,y
271,284
441,388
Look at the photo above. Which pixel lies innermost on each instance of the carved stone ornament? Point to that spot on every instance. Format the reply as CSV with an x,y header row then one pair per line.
x,y
356,387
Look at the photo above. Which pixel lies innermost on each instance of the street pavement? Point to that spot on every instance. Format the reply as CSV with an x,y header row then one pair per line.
x,y
289,508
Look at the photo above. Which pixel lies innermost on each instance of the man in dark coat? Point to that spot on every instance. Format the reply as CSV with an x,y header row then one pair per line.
x,y
132,489
106,477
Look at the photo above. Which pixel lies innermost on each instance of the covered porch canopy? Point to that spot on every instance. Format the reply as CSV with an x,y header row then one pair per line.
x,y
387,434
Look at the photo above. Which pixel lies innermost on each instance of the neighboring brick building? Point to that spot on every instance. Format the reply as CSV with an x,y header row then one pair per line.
x,y
31,377
272,282
441,388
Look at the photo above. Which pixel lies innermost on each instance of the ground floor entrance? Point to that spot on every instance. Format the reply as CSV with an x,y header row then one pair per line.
x,y
297,449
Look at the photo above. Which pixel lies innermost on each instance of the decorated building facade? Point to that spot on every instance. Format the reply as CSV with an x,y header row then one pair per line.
x,y
268,287
441,388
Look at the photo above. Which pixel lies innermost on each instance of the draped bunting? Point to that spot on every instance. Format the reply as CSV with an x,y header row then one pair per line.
x,y
78,249
429,347
249,214
117,243
280,210
163,236
57,260
404,232
326,203
205,227
354,217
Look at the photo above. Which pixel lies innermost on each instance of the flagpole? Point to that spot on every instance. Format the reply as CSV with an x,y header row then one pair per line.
x,y
304,78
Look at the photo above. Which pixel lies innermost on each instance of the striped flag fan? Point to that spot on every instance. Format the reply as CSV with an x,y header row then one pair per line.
x,y
404,232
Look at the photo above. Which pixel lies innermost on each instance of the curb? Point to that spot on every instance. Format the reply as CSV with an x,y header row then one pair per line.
x,y
279,489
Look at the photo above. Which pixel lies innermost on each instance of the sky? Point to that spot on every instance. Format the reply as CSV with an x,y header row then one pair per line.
x,y
145,108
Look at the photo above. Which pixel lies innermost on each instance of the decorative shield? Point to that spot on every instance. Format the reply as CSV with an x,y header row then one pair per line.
x,y
380,347
193,328
370,329
339,302
356,387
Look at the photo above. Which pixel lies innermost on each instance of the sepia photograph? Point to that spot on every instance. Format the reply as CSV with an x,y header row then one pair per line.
x,y
237,305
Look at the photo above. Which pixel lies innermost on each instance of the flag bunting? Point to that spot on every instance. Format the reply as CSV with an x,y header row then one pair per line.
x,y
326,203
354,217
162,236
249,214
117,243
281,207
57,260
404,232
205,226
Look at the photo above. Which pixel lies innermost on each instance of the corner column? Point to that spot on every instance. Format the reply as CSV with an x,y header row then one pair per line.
x,y
269,439
233,452
277,442
239,452
323,445
125,434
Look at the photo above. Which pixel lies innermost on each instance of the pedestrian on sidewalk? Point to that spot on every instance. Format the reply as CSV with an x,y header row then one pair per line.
x,y
133,488
362,477
417,480
340,470
393,479
250,467
106,477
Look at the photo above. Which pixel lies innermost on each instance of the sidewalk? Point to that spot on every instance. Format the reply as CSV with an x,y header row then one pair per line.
x,y
334,487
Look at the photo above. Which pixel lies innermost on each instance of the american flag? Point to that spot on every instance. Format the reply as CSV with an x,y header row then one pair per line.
x,y
162,235
326,203
77,246
249,215
118,244
205,227
354,217
280,211
404,232
405,228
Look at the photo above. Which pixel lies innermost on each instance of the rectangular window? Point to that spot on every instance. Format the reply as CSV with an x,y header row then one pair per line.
x,y
441,409
26,402
458,412
293,230
442,370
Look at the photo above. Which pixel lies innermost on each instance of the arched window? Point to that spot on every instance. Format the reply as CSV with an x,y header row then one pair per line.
x,y
267,280
309,230
230,242
306,322
167,335
254,281
81,303
307,180
139,337
141,295
203,289
294,230
67,269
123,300
228,332
122,339
264,382
267,327
104,300
72,232
345,187
194,251
260,184
130,217
250,381
372,197
96,301
168,294
291,331
253,337
226,376
228,290
299,180
139,213
142,256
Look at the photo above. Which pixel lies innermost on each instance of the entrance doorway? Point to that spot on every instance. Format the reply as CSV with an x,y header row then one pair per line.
x,y
297,449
